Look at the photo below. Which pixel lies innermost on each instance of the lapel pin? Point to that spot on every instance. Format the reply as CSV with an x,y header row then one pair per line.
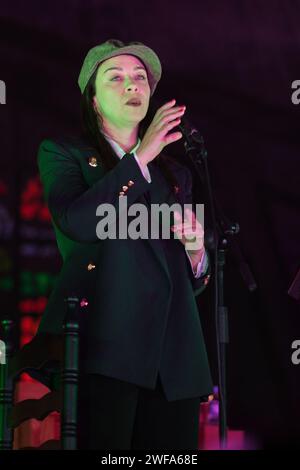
x,y
93,161
176,189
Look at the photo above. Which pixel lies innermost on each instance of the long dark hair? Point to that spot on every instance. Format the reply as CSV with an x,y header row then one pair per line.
x,y
92,133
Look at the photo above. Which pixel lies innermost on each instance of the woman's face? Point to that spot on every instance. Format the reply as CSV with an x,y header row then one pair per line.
x,y
119,79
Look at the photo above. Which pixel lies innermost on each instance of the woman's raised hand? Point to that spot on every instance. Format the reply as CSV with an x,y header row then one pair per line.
x,y
156,136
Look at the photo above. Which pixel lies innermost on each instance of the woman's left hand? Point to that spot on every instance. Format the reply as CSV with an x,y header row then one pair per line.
x,y
190,232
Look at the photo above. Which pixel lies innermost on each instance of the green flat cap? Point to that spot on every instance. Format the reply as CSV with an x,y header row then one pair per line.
x,y
114,47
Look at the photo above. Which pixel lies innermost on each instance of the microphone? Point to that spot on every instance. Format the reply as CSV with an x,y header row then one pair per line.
x,y
190,133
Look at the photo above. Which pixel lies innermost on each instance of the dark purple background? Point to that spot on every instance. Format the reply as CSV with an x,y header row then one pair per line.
x,y
232,63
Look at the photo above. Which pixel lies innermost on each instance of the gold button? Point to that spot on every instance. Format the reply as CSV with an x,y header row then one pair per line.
x,y
124,188
130,183
84,303
93,161
91,266
206,279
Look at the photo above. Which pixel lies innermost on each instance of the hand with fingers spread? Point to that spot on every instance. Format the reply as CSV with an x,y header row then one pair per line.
x,y
190,232
156,137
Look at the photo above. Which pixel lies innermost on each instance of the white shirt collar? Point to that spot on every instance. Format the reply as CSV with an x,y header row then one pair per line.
x,y
119,151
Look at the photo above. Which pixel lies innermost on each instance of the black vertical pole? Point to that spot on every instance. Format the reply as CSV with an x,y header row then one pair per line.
x,y
222,319
70,375
6,385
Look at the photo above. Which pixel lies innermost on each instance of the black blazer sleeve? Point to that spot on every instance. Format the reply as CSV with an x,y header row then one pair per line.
x,y
72,203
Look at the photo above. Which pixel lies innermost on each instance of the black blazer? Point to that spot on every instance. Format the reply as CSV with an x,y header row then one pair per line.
x,y
142,318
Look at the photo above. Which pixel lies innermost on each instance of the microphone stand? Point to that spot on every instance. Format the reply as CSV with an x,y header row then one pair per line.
x,y
222,229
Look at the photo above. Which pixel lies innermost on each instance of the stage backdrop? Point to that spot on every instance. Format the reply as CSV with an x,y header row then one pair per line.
x,y
232,64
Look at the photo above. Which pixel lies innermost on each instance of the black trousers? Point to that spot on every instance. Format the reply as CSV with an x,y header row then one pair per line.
x,y
113,414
